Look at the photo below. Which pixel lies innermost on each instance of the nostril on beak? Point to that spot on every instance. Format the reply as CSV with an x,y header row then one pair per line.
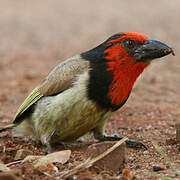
x,y
167,51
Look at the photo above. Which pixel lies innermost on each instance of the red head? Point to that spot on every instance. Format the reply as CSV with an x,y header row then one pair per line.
x,y
118,62
123,65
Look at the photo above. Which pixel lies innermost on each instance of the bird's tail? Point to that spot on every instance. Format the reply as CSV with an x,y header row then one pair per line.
x,y
7,127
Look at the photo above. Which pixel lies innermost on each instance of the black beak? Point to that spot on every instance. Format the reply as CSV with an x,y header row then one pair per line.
x,y
152,49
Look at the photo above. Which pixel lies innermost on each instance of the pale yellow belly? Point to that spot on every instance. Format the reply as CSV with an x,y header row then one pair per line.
x,y
67,116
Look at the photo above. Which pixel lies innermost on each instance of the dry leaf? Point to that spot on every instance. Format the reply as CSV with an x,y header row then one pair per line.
x,y
22,153
31,158
60,156
4,168
128,175
50,168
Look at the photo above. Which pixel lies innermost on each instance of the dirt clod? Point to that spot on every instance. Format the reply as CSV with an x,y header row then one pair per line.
x,y
11,175
178,132
128,175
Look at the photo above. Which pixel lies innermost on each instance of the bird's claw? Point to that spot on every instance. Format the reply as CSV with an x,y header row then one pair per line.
x,y
135,144
130,143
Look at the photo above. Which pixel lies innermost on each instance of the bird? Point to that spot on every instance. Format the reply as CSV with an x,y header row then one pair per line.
x,y
81,93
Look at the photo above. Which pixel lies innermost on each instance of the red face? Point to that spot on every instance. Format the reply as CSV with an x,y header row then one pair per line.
x,y
116,63
128,55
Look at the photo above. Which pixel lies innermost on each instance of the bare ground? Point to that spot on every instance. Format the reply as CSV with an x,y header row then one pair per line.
x,y
36,35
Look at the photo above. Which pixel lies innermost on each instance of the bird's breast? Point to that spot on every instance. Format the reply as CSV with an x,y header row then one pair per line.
x,y
69,114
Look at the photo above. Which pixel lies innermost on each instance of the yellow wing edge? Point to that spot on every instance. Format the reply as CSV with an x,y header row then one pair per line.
x,y
6,127
33,97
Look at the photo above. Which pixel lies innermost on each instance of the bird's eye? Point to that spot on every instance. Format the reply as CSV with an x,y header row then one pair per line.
x,y
130,43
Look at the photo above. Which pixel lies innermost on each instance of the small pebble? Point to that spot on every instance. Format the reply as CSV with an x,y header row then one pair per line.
x,y
137,167
157,168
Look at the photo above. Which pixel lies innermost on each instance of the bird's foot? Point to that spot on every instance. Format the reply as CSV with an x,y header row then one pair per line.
x,y
47,149
135,144
129,143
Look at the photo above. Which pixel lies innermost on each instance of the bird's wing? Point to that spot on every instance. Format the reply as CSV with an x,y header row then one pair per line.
x,y
59,79
34,96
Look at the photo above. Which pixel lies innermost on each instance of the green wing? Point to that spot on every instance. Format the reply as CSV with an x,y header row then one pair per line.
x,y
33,97
59,79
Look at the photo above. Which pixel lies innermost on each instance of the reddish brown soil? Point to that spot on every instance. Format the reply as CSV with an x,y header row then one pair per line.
x,y
36,35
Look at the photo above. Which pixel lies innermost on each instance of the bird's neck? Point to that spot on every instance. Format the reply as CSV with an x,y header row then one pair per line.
x,y
125,72
112,75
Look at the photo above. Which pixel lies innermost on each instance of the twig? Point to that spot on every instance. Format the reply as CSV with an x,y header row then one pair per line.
x,y
12,163
89,162
46,174
160,176
160,151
